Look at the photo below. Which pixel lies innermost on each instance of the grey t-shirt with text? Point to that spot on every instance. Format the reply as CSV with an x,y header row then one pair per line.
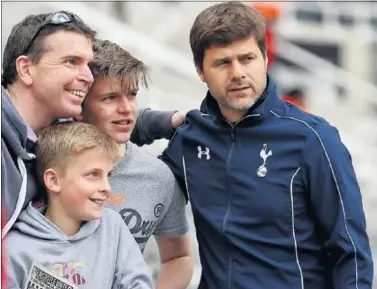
x,y
147,196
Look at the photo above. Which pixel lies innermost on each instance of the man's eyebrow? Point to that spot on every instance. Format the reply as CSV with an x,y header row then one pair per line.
x,y
76,57
220,60
239,56
246,54
72,56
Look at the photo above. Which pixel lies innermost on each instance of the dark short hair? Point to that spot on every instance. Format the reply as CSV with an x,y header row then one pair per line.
x,y
223,23
111,60
22,34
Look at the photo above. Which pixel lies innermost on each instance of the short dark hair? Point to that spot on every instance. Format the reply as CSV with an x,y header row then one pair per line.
x,y
223,23
111,60
22,34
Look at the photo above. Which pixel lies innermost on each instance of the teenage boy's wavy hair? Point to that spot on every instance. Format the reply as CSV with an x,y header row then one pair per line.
x,y
112,61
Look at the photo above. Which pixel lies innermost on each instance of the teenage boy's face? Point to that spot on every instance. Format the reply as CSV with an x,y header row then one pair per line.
x,y
84,185
111,110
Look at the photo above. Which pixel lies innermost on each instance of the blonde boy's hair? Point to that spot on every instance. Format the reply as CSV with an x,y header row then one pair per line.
x,y
59,142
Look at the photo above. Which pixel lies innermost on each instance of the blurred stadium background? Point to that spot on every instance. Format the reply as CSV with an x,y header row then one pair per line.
x,y
327,50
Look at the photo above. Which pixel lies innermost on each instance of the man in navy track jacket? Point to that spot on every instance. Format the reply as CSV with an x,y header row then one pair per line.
x,y
274,195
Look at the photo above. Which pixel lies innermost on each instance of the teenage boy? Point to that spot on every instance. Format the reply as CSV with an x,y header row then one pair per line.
x,y
145,192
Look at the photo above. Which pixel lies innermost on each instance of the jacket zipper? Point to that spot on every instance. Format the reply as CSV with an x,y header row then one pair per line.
x,y
232,135
233,139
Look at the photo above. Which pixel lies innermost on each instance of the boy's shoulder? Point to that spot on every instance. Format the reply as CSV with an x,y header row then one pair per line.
x,y
13,236
141,157
109,216
139,161
113,228
111,222
14,242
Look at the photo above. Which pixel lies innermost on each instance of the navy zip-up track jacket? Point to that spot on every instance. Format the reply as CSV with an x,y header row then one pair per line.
x,y
275,199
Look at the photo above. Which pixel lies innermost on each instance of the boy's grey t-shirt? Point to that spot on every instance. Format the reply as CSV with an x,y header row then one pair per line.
x,y
147,196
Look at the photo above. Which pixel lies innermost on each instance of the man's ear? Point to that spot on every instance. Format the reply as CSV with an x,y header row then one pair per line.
x,y
200,73
24,70
51,180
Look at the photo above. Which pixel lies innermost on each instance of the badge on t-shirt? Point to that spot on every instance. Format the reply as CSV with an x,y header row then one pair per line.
x,y
40,277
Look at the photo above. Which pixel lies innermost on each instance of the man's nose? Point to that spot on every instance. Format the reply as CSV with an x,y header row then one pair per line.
x,y
86,75
238,71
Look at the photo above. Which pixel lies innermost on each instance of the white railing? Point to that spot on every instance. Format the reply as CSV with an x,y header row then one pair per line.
x,y
314,64
126,36
361,11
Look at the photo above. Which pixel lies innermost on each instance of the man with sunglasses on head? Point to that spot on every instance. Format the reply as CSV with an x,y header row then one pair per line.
x,y
46,77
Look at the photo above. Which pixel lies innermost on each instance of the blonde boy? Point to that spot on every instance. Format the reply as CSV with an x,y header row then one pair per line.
x,y
72,236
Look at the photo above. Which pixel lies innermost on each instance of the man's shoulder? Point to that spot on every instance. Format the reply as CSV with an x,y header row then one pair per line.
x,y
316,130
303,122
7,157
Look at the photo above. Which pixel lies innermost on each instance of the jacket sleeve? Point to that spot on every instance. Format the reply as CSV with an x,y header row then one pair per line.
x,y
152,125
336,203
174,158
131,272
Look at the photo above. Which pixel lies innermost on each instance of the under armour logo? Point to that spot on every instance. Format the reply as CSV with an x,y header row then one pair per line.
x,y
262,170
203,152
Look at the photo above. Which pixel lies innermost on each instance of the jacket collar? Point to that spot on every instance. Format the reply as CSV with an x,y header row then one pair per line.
x,y
269,100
